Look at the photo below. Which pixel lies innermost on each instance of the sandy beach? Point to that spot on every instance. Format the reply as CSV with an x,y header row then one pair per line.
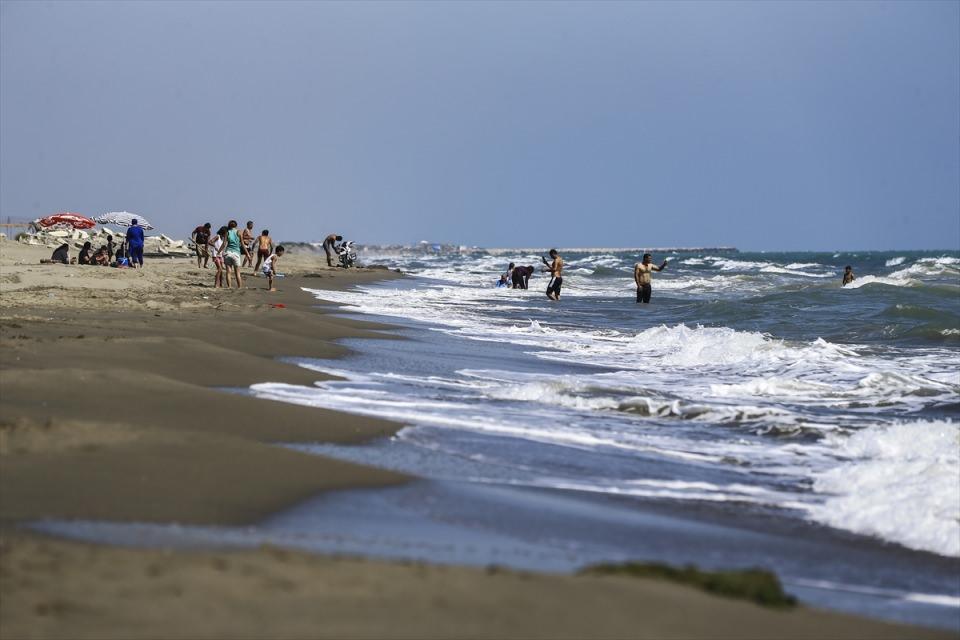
x,y
117,405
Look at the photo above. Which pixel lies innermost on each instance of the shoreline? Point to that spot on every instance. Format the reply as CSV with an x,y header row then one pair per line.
x,y
114,408
133,385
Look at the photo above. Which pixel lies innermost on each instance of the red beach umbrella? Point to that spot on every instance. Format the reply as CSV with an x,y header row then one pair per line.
x,y
66,218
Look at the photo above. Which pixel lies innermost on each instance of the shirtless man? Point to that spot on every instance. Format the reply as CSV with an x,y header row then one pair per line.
x,y
328,246
264,248
848,276
247,239
555,267
200,236
521,276
641,275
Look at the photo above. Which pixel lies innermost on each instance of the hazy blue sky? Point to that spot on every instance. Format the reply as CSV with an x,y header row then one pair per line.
x,y
765,125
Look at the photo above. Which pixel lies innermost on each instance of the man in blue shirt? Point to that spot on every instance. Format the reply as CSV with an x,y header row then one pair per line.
x,y
135,245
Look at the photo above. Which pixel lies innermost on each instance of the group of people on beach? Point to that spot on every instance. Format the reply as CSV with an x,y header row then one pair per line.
x,y
129,254
232,249
519,277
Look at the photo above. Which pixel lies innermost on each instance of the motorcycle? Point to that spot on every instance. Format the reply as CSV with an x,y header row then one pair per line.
x,y
346,254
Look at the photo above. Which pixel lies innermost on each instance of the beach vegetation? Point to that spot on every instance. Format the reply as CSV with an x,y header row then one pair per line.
x,y
756,585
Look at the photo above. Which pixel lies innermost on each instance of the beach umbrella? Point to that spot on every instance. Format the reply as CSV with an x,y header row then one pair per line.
x,y
66,218
123,219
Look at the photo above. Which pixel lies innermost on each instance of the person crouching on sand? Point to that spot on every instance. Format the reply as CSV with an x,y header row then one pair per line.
x,y
641,275
60,255
270,266
85,256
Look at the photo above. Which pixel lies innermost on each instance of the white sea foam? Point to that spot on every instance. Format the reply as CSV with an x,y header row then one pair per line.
x,y
893,262
942,261
923,269
937,599
653,384
794,272
899,482
890,281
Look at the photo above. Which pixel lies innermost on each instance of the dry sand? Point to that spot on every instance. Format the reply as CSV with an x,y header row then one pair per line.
x,y
112,408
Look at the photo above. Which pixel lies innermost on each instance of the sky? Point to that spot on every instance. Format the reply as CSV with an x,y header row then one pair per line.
x,y
760,125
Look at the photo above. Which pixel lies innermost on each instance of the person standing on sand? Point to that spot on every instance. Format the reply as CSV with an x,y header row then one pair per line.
x,y
201,236
641,275
109,246
329,246
135,244
555,267
848,276
264,248
247,238
215,245
232,253
270,267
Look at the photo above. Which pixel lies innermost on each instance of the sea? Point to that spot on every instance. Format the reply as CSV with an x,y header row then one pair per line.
x,y
755,413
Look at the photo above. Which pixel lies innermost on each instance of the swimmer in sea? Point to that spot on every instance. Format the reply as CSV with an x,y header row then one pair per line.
x,y
555,267
642,276
848,276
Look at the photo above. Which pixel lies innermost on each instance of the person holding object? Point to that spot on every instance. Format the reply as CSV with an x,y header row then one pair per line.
x,y
329,247
642,276
555,267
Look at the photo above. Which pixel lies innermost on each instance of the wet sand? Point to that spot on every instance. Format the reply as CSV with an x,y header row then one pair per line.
x,y
116,406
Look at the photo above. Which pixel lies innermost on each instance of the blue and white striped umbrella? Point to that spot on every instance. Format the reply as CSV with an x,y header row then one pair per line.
x,y
123,219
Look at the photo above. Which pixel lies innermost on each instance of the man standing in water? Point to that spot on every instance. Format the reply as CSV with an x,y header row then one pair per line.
x,y
555,267
642,276
848,276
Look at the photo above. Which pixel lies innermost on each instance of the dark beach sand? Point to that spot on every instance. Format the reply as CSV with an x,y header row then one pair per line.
x,y
114,408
